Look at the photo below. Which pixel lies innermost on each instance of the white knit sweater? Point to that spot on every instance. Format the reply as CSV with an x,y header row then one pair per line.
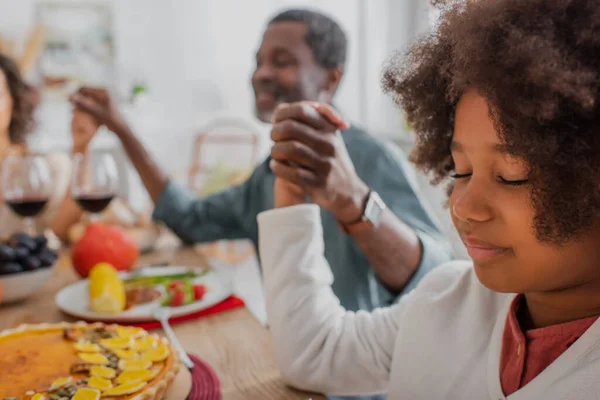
x,y
441,341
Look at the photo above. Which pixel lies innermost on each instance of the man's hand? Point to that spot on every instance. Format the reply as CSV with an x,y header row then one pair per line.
x,y
83,129
309,154
99,104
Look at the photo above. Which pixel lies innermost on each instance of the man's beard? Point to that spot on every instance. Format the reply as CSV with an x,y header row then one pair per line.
x,y
282,95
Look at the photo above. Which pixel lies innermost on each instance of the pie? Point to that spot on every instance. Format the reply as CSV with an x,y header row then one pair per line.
x,y
83,361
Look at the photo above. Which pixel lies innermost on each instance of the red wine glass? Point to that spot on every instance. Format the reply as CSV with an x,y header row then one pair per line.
x,y
95,181
26,186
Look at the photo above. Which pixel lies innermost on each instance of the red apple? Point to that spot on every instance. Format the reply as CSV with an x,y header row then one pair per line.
x,y
104,243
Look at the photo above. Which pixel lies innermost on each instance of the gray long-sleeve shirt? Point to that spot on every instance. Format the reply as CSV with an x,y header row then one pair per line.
x,y
232,214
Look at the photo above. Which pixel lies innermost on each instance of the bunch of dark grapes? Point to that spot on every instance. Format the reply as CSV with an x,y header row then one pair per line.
x,y
25,253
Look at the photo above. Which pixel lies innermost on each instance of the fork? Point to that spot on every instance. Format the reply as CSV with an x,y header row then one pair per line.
x,y
162,315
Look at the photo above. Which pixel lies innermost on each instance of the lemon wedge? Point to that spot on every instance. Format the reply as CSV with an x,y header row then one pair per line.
x,y
99,383
102,372
93,358
106,304
130,332
87,347
140,375
39,396
106,290
145,343
126,354
135,364
127,388
156,354
115,343
57,384
86,394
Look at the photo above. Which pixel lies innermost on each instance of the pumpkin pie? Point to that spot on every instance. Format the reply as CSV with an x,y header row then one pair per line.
x,y
83,361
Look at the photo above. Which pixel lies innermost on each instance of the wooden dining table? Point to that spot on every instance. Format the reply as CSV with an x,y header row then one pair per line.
x,y
234,343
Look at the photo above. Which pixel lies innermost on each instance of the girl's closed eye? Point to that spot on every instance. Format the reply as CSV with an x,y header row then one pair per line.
x,y
517,182
456,175
502,180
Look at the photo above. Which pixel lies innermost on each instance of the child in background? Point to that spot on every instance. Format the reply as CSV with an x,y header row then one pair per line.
x,y
505,100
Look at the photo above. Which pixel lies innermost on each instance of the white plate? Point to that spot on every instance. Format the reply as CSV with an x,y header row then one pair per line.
x,y
74,299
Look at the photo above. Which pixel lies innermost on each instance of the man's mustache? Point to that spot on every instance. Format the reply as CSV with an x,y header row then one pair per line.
x,y
269,86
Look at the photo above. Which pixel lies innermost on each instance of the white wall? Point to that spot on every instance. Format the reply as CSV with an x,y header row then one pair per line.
x,y
196,57
390,26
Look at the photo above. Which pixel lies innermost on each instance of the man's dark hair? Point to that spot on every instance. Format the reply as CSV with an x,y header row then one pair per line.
x,y
323,35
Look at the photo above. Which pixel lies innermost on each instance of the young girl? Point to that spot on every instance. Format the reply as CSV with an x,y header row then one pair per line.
x,y
505,99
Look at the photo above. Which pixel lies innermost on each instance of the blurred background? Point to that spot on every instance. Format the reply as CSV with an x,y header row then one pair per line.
x,y
179,65
181,71
194,58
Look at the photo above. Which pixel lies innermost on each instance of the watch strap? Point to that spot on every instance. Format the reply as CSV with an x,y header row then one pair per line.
x,y
361,225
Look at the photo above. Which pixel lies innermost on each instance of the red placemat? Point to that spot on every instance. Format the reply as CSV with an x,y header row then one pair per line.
x,y
228,304
205,383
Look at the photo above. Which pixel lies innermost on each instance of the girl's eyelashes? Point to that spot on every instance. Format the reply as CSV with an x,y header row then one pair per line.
x,y
500,179
459,176
513,183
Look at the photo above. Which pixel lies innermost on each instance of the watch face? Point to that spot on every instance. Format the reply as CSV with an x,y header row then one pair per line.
x,y
374,209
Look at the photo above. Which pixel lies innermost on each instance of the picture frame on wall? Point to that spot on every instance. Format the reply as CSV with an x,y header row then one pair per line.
x,y
78,47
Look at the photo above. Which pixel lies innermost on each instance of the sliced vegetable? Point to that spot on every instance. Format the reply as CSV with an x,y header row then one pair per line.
x,y
163,279
199,291
176,285
180,289
177,299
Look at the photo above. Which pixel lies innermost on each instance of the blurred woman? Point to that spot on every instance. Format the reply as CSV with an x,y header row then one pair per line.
x,y
17,101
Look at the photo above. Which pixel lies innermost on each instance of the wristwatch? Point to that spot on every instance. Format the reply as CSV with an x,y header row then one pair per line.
x,y
372,214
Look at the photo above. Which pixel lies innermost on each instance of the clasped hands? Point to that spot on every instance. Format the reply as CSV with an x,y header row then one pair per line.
x,y
309,158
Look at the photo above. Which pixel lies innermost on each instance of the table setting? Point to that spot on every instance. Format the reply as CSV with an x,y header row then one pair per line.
x,y
114,319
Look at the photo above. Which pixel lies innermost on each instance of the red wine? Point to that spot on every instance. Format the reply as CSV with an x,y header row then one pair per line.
x,y
94,203
27,207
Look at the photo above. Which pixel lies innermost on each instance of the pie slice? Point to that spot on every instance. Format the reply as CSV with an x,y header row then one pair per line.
x,y
83,361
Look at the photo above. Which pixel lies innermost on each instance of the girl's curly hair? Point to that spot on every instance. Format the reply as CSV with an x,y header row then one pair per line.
x,y
537,63
21,121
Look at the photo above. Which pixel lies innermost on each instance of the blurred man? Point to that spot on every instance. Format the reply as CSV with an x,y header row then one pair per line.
x,y
372,219
301,57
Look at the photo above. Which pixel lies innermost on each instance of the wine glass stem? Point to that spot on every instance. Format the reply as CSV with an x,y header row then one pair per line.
x,y
30,226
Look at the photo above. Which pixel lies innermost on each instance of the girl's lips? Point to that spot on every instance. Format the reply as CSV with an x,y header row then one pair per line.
x,y
484,254
483,251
